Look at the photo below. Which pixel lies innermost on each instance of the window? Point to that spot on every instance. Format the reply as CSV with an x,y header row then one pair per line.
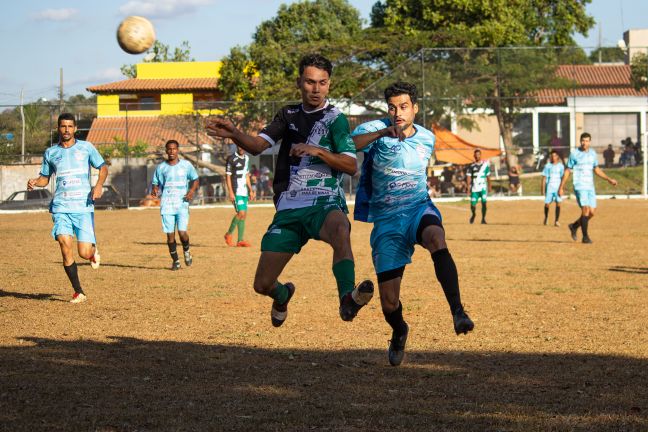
x,y
19,196
206,100
612,128
134,102
554,131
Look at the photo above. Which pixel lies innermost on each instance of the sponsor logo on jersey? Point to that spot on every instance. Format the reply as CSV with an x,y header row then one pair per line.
x,y
71,182
402,185
395,148
400,171
292,126
74,171
74,194
292,110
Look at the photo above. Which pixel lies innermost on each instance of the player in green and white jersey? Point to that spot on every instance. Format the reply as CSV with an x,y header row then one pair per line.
x,y
315,151
478,179
239,189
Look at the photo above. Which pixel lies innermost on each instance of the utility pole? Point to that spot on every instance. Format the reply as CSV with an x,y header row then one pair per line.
x,y
61,91
22,117
600,38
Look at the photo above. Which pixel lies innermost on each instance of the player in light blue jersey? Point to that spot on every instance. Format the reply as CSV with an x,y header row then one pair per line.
x,y
171,182
584,162
551,176
72,207
393,195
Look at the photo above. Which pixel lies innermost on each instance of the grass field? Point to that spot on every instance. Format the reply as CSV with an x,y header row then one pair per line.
x,y
560,342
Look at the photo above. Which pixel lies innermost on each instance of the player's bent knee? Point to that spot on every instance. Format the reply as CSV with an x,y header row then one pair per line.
x,y
263,287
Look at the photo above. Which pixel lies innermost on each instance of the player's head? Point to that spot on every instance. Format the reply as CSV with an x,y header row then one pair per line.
x,y
401,103
314,80
477,155
585,140
554,156
171,149
240,151
66,127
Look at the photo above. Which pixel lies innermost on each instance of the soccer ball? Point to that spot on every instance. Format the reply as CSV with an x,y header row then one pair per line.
x,y
135,34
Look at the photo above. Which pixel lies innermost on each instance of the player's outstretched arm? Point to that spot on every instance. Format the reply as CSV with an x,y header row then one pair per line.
x,y
337,161
224,128
599,172
40,181
363,140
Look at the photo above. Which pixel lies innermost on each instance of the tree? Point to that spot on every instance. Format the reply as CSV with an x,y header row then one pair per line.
x,y
607,55
639,71
160,52
503,80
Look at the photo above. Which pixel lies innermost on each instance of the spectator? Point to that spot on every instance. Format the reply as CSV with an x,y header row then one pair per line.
x,y
265,177
460,180
628,156
608,155
254,178
446,185
514,179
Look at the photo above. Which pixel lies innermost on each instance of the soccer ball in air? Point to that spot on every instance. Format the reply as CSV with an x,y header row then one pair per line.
x,y
135,34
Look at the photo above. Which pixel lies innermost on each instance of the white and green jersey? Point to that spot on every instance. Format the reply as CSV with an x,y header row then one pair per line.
x,y
307,181
238,167
479,173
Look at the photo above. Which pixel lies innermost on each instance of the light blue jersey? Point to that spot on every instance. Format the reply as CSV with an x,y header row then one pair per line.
x,y
554,174
174,182
583,164
72,168
394,177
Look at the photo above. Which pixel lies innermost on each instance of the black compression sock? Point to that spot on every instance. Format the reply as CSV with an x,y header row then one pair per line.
x,y
446,273
483,210
584,222
395,319
173,251
73,275
185,245
546,212
577,222
557,213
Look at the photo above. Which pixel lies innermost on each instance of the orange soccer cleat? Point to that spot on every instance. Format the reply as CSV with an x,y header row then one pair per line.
x,y
229,240
243,243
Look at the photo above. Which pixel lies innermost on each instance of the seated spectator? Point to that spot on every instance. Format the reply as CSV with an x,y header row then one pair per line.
x,y
627,158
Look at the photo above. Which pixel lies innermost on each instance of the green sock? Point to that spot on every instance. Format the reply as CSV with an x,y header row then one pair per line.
x,y
344,272
280,293
241,227
233,225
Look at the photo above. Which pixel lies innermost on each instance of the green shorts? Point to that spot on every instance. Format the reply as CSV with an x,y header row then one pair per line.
x,y
291,229
240,203
476,196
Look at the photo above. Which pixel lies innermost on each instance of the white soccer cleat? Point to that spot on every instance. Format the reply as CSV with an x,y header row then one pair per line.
x,y
78,298
95,260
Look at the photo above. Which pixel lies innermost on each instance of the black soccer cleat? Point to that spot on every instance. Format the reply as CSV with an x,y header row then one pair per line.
x,y
396,351
462,322
352,302
587,240
279,312
483,221
472,219
574,231
175,266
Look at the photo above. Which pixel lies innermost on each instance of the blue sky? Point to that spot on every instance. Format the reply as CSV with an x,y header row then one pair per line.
x,y
41,36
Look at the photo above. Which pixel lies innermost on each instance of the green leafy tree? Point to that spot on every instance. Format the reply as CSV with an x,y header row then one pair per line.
x,y
639,71
607,55
503,80
160,52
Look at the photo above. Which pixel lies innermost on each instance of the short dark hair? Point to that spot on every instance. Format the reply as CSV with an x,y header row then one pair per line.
x,y
557,152
399,88
65,116
171,142
315,60
477,151
585,135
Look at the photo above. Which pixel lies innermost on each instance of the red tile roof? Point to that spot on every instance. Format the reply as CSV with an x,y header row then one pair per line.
x,y
591,81
155,131
152,85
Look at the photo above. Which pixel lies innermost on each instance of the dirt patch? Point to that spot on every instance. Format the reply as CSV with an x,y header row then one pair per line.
x,y
559,342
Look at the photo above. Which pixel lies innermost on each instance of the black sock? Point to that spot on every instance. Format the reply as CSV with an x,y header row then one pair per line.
x,y
483,210
185,245
472,210
546,210
446,273
395,319
172,251
73,275
557,213
584,221
577,222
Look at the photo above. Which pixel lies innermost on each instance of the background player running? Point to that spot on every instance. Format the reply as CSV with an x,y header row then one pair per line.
x,y
479,184
316,149
237,169
393,195
551,177
171,181
584,162
72,207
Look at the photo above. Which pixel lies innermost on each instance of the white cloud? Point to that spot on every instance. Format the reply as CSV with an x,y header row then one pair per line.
x,y
55,14
162,8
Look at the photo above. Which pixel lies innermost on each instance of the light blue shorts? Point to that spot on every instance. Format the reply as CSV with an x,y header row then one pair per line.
x,y
179,220
551,196
393,239
586,198
80,225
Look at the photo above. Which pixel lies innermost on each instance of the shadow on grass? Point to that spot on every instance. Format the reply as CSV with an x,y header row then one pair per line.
x,y
133,384
624,269
163,243
24,296
509,240
108,264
